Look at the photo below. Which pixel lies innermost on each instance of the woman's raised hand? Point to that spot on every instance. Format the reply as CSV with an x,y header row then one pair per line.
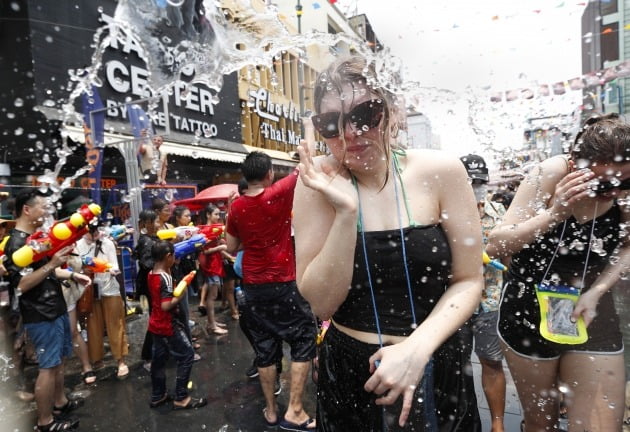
x,y
569,191
331,180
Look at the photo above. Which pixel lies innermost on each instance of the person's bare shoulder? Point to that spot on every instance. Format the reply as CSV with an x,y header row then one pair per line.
x,y
434,165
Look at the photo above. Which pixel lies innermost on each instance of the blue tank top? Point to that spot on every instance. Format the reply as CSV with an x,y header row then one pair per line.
x,y
429,264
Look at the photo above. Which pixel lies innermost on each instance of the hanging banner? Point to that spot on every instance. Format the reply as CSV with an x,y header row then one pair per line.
x,y
93,105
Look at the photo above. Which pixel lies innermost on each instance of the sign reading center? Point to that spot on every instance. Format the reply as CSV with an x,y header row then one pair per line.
x,y
260,100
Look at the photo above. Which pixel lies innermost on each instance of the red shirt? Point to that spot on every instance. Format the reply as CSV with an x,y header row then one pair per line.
x,y
263,225
160,290
211,264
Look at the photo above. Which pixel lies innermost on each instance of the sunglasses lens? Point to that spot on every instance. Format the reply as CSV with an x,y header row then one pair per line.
x,y
604,187
367,115
326,124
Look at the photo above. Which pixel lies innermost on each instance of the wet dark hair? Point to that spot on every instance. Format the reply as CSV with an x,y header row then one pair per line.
x,y
602,139
256,166
158,204
210,208
179,210
27,197
146,216
161,249
242,186
356,72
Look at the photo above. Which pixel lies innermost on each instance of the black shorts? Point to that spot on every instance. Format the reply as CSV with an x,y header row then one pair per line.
x,y
519,321
344,405
274,313
230,274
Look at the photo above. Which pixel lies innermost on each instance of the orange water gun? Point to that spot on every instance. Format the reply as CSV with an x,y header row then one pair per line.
x,y
96,265
183,284
212,232
63,233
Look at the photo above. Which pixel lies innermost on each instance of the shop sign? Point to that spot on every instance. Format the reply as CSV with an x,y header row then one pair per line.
x,y
126,74
269,111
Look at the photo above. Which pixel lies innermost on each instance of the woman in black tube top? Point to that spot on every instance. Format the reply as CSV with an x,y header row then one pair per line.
x,y
387,245
566,230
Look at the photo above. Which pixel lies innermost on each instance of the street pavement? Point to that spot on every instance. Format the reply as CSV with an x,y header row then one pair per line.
x,y
235,402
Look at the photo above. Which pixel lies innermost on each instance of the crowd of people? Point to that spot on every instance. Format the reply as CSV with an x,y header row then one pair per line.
x,y
382,247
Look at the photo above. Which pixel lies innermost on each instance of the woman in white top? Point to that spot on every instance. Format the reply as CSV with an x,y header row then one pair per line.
x,y
108,310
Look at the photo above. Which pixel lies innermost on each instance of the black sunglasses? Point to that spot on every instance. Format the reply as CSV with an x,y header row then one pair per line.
x,y
603,187
366,114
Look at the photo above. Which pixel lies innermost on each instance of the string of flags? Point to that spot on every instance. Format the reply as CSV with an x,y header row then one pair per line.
x,y
592,79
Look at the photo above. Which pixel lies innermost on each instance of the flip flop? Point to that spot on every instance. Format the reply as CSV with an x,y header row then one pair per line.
x,y
167,398
269,424
302,427
193,404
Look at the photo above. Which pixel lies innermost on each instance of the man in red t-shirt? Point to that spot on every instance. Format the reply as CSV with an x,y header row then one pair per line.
x,y
274,310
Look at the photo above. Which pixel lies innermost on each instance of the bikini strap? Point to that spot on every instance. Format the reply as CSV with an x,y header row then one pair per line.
x,y
398,172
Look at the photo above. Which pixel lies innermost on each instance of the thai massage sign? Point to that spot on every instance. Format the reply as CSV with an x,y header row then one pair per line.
x,y
268,111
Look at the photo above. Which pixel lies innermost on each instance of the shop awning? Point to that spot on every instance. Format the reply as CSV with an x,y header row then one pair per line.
x,y
278,157
76,134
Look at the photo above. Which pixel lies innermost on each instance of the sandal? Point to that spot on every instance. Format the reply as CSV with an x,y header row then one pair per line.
x,y
70,406
123,372
220,324
196,346
89,377
197,357
59,425
217,331
193,404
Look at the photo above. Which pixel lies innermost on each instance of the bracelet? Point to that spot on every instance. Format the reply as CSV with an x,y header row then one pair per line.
x,y
72,277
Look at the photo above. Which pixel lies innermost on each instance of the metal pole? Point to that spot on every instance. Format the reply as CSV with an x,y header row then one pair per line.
x,y
298,10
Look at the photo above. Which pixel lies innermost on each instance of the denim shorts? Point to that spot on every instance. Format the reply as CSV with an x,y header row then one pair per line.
x,y
214,280
52,340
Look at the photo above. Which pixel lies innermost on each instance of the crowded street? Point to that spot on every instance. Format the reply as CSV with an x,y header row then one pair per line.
x,y
325,215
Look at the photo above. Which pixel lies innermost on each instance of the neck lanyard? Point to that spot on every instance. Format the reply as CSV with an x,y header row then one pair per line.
x,y
404,252
588,251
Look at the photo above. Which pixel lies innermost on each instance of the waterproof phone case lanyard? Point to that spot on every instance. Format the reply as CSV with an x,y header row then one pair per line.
x,y
556,302
427,380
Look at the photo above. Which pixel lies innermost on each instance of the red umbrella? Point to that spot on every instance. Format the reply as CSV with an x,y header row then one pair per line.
x,y
217,194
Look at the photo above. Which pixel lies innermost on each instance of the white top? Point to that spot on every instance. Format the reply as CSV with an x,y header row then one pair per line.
x,y
107,283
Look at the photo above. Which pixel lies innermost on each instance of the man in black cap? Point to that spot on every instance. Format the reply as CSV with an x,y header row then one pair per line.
x,y
484,320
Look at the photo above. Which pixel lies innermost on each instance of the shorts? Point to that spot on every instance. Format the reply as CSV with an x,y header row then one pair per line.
x,y
52,340
274,313
213,280
344,405
484,326
230,274
519,320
